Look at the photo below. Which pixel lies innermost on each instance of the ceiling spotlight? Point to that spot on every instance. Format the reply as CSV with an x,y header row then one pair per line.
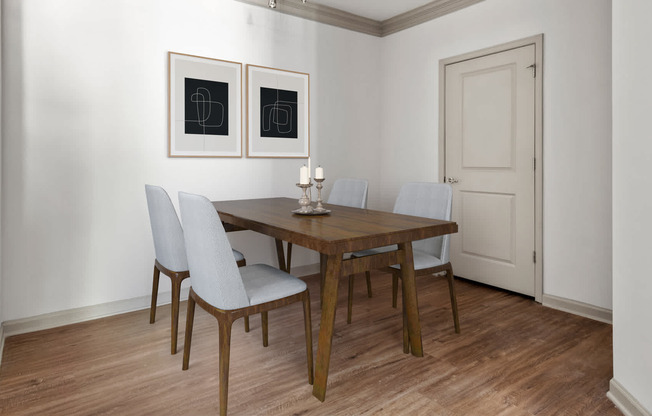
x,y
272,3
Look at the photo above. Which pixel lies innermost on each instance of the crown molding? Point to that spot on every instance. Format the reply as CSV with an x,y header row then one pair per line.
x,y
425,13
323,14
350,21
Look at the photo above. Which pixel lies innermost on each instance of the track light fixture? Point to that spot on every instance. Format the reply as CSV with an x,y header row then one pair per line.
x,y
272,3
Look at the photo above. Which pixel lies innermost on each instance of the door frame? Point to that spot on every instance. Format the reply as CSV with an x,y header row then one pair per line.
x,y
537,41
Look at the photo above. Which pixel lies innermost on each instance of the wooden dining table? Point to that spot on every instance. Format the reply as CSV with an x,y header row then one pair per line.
x,y
343,230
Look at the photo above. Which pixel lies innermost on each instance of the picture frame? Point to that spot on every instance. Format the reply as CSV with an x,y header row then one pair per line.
x,y
204,107
278,113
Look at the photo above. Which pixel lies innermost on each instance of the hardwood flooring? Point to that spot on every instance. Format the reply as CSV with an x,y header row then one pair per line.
x,y
513,357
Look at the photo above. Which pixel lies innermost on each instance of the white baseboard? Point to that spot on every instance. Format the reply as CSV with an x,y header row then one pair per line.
x,y
624,401
578,308
87,313
73,316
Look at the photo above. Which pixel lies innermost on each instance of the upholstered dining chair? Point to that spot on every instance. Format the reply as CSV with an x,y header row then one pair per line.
x,y
228,292
351,193
347,192
431,256
170,252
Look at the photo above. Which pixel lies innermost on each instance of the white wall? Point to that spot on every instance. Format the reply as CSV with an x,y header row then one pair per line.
x,y
632,201
86,128
577,123
1,320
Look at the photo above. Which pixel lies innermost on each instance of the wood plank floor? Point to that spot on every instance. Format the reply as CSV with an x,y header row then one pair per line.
x,y
513,357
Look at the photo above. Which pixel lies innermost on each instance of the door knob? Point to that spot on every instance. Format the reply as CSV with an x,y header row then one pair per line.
x,y
451,180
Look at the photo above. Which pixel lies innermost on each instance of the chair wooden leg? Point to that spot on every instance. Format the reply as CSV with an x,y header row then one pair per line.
x,y
368,276
394,289
225,356
265,322
350,303
152,310
308,328
174,316
190,318
243,263
453,294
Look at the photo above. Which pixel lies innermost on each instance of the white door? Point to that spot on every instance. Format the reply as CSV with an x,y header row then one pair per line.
x,y
489,160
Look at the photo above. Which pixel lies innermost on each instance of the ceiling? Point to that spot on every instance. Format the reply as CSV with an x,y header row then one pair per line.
x,y
373,9
372,17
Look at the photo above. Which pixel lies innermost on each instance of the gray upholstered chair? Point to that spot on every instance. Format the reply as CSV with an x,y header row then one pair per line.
x,y
349,193
431,256
170,252
228,292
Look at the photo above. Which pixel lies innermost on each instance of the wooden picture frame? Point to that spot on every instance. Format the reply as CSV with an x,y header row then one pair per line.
x,y
278,113
204,107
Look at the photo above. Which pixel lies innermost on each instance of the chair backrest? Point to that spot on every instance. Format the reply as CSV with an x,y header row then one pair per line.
x,y
214,274
349,192
166,230
430,200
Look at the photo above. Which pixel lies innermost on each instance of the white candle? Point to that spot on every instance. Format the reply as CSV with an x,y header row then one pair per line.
x,y
303,175
309,170
319,173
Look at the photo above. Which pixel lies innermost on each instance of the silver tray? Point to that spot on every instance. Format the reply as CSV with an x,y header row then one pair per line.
x,y
296,211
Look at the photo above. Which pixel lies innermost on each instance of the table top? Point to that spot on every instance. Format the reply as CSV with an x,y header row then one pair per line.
x,y
344,230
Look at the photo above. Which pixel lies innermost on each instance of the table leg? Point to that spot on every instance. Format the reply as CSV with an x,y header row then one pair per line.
x,y
280,254
333,271
288,263
322,274
410,299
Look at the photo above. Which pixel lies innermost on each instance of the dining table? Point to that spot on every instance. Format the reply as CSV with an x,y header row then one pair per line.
x,y
342,230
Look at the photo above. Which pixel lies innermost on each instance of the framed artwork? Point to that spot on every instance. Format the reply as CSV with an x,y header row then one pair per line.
x,y
278,113
204,107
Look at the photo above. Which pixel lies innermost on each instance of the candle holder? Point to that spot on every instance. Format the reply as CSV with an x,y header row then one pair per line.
x,y
304,201
320,208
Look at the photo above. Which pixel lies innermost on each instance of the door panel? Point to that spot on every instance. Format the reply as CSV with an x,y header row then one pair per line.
x,y
489,225
490,144
487,106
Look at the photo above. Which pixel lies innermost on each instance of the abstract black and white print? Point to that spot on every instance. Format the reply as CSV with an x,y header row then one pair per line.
x,y
206,107
278,113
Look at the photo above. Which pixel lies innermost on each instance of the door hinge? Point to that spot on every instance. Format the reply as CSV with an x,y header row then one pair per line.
x,y
534,70
534,257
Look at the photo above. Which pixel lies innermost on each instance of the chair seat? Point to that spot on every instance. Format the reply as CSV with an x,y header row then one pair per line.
x,y
238,256
429,200
422,260
264,283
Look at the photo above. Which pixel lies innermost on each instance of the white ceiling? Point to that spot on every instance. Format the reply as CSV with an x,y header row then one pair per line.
x,y
373,9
